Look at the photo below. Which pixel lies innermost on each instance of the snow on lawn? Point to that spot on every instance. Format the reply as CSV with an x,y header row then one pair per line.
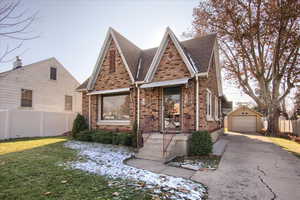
x,y
108,160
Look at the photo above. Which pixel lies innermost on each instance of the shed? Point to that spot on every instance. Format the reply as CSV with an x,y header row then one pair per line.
x,y
245,120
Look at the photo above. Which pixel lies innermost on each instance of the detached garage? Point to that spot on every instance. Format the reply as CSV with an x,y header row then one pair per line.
x,y
244,120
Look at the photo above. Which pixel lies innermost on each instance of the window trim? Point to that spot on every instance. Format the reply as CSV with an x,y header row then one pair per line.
x,y
71,102
216,108
51,73
22,106
209,116
112,61
101,121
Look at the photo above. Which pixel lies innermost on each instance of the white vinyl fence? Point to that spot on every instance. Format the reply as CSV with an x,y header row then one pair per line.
x,y
287,126
26,123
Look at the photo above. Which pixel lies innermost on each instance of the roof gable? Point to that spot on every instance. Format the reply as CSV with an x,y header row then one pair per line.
x,y
244,108
142,64
128,51
169,35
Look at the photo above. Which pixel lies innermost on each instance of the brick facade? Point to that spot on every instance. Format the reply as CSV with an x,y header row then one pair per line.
x,y
170,67
208,83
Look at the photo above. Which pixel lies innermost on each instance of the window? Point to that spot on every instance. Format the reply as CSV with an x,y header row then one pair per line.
x,y
112,61
208,105
115,107
216,108
68,102
26,98
53,73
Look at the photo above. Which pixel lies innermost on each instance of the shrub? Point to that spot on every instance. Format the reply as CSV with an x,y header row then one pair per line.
x,y
115,139
79,125
201,143
104,137
125,139
84,136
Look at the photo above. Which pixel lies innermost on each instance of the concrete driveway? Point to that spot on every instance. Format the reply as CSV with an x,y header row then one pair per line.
x,y
253,168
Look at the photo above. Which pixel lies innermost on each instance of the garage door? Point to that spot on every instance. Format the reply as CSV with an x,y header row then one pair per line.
x,y
244,123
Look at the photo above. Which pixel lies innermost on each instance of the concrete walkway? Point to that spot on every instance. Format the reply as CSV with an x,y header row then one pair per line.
x,y
253,168
158,167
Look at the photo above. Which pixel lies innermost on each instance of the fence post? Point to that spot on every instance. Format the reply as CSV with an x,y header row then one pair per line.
x,y
7,126
42,124
67,123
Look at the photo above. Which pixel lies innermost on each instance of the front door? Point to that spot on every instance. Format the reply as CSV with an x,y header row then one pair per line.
x,y
172,108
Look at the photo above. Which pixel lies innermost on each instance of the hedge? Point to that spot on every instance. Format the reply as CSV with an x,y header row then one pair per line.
x,y
106,137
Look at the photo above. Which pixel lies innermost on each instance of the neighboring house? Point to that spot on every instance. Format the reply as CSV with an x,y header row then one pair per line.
x,y
245,120
174,88
38,99
42,86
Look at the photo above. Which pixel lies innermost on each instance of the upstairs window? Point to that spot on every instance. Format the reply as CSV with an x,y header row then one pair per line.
x,y
53,73
68,103
26,98
112,61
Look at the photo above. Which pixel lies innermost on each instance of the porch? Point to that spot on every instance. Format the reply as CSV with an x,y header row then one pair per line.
x,y
163,147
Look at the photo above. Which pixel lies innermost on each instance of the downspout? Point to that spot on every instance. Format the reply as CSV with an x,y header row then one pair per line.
x,y
90,112
197,103
138,107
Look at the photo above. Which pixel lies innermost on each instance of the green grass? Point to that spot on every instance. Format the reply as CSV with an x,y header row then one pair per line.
x,y
288,145
29,170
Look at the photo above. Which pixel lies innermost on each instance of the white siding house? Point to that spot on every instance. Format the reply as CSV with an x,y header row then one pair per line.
x,y
47,94
37,102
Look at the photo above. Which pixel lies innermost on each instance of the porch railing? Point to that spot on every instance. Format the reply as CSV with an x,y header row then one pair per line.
x,y
148,127
167,139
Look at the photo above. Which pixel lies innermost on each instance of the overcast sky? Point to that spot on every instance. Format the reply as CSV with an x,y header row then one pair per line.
x,y
74,30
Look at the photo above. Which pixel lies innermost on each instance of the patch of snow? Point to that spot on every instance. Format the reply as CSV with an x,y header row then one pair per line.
x,y
108,160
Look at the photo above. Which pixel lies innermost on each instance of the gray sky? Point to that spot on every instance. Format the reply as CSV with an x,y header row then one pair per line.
x,y
74,30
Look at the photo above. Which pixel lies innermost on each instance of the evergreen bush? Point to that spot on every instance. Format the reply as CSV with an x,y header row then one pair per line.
x,y
201,143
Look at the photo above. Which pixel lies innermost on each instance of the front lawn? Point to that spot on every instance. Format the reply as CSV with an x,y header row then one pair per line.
x,y
31,169
288,145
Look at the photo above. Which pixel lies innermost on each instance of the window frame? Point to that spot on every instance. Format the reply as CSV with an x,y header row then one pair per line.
x,y
216,108
51,75
101,120
209,105
22,98
67,96
112,61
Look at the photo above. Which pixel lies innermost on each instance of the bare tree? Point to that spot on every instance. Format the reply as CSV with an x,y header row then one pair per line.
x,y
14,27
259,41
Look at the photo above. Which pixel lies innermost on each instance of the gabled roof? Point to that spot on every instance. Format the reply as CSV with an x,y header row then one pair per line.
x,y
169,35
141,64
244,108
26,66
129,52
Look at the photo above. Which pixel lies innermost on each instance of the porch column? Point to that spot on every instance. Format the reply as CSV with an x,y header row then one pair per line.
x,y
197,103
90,112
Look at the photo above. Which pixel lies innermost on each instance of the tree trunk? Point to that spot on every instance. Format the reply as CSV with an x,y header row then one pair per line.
x,y
273,121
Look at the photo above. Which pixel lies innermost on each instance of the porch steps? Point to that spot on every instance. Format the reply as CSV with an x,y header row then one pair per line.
x,y
153,149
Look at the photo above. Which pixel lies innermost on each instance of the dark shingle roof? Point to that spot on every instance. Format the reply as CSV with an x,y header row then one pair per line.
x,y
83,86
130,51
146,59
198,50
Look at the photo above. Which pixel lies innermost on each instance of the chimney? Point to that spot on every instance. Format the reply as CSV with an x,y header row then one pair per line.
x,y
17,63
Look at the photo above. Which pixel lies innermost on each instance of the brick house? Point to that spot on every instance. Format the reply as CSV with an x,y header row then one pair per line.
x,y
174,88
